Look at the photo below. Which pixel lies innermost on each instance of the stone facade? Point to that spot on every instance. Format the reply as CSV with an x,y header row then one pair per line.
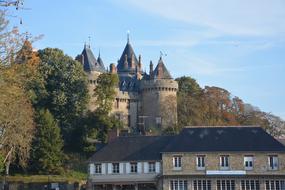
x,y
144,101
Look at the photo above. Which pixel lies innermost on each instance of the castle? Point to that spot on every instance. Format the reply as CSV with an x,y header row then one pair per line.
x,y
144,101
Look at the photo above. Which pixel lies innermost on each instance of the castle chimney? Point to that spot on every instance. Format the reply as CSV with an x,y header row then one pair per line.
x,y
113,69
140,63
126,62
133,61
159,71
151,69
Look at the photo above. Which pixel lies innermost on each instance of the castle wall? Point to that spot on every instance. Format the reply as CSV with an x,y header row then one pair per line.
x,y
158,103
92,80
125,108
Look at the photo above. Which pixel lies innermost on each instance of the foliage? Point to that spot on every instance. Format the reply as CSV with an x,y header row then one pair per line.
x,y
96,127
47,155
66,86
17,126
105,92
214,106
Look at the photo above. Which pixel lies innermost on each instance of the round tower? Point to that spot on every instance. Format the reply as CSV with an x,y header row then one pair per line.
x,y
158,99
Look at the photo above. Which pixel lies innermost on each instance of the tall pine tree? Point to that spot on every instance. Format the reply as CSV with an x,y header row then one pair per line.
x,y
47,153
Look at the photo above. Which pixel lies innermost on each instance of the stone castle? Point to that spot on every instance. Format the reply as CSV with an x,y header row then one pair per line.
x,y
144,101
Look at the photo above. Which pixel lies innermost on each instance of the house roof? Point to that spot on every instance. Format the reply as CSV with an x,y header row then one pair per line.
x,y
161,72
141,148
215,139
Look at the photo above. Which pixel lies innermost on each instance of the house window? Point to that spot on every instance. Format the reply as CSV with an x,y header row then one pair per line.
x,y
224,162
177,162
274,184
98,168
151,167
134,167
248,162
250,185
225,184
273,162
116,168
178,185
201,184
200,162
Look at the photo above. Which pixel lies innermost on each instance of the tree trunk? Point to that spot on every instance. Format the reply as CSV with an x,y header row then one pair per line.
x,y
7,167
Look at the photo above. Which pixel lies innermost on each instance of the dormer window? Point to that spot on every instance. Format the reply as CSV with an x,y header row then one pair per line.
x,y
116,168
200,162
98,168
177,162
273,162
134,167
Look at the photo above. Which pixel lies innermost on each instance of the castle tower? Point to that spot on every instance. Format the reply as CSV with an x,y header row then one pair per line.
x,y
93,68
158,99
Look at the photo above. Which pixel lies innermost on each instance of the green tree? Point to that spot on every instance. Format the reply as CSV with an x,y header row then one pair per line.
x,y
105,92
67,91
47,154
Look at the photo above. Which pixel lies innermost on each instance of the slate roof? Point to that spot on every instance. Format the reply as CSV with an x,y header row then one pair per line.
x,y
129,51
215,139
165,73
90,63
140,148
128,83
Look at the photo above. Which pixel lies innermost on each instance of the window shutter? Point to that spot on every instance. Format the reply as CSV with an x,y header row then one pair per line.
x,y
173,161
146,167
139,167
103,168
157,167
128,168
92,169
121,168
110,168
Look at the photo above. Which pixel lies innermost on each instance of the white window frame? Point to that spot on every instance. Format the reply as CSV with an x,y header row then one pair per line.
x,y
177,162
178,184
224,162
273,162
115,168
98,168
200,162
248,162
151,167
134,167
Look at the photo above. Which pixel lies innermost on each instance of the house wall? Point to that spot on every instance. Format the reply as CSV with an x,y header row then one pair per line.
x,y
212,162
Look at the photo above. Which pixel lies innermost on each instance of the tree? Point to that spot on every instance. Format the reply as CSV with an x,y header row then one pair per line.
x,y
17,126
66,86
105,92
47,155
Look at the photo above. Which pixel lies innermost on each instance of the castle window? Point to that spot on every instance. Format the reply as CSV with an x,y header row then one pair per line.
x,y
248,162
128,104
129,121
177,162
224,162
273,162
200,162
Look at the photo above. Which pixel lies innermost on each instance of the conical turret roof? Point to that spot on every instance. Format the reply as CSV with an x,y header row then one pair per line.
x,y
161,72
89,61
130,54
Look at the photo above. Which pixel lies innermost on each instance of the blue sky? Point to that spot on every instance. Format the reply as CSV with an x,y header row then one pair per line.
x,y
238,45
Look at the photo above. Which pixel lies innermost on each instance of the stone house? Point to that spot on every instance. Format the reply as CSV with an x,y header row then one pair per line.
x,y
199,158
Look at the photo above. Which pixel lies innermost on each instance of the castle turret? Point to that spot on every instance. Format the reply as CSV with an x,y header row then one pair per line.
x,y
151,70
159,100
113,69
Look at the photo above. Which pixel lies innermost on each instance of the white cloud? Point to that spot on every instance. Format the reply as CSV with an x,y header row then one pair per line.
x,y
233,17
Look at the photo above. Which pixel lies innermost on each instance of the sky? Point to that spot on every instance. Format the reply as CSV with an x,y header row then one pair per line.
x,y
238,45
